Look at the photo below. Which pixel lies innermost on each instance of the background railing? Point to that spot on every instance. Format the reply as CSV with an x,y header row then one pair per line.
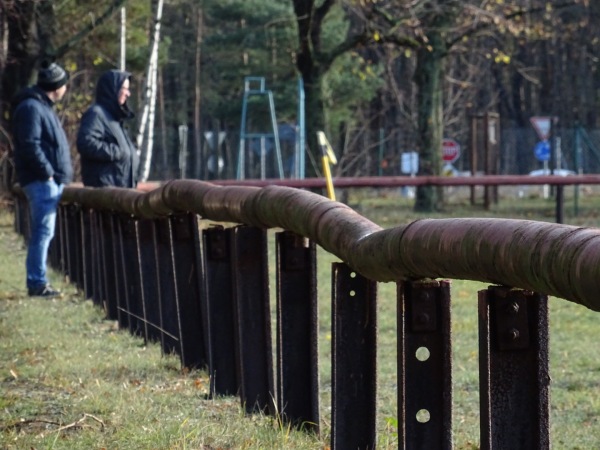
x,y
186,264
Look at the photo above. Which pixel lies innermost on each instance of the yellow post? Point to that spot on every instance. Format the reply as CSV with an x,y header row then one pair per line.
x,y
328,180
327,157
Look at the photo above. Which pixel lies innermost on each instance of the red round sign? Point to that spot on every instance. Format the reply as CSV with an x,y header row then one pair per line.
x,y
450,150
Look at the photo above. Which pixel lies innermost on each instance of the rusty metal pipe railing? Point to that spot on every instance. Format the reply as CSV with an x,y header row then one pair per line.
x,y
553,259
400,181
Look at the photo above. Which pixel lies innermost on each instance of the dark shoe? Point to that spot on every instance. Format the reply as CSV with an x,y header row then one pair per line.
x,y
46,291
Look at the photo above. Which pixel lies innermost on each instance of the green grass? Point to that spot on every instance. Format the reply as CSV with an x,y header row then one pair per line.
x,y
71,380
388,208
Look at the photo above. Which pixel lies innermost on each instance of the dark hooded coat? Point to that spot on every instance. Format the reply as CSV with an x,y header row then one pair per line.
x,y
41,147
108,156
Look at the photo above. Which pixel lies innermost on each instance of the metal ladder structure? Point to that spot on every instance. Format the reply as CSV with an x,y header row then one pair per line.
x,y
251,91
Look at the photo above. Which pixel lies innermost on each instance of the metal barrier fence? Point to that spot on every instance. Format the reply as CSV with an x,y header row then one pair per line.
x,y
202,291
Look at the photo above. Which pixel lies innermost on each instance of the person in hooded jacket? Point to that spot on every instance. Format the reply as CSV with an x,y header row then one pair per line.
x,y
107,154
43,166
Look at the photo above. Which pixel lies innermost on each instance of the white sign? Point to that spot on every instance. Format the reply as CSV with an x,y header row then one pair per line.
x,y
409,163
542,126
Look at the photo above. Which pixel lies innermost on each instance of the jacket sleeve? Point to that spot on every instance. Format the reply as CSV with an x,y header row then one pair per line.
x,y
95,140
28,131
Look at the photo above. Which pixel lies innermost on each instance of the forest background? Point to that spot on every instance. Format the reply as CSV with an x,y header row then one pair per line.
x,y
380,77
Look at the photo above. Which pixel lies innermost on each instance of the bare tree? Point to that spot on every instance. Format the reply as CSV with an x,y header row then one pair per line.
x,y
446,27
145,136
28,36
200,163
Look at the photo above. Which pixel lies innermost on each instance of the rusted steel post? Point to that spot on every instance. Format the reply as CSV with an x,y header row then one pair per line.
x,y
169,315
86,250
107,267
297,331
252,311
26,219
96,249
424,365
187,274
57,252
21,216
354,360
514,369
121,279
54,252
560,203
115,275
220,316
130,262
92,254
104,259
147,278
69,243
103,231
78,274
58,243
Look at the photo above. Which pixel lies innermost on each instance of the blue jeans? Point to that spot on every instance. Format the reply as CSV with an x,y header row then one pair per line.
x,y
43,198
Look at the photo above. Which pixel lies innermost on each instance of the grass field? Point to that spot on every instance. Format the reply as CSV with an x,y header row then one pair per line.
x,y
71,380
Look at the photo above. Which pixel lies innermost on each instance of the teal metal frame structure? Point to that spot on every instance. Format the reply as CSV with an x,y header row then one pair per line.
x,y
250,90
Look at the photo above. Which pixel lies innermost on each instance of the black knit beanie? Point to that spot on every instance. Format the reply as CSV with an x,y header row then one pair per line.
x,y
51,77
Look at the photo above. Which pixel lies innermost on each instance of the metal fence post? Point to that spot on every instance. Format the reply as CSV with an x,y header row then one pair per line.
x,y
169,315
560,203
87,253
514,369
354,360
424,365
21,224
149,281
252,311
121,276
66,252
106,257
130,263
59,246
187,274
297,331
97,256
77,240
219,315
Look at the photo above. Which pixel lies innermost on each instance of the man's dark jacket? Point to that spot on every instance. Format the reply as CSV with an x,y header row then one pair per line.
x,y
41,147
108,156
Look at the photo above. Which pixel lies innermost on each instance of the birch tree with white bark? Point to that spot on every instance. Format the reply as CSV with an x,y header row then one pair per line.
x,y
145,135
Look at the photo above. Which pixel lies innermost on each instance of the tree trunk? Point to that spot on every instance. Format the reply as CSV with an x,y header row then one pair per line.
x,y
315,115
29,28
428,79
200,162
123,40
147,120
151,118
23,49
309,19
164,169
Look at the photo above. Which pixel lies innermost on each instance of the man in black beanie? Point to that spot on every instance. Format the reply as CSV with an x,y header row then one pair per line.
x,y
43,166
